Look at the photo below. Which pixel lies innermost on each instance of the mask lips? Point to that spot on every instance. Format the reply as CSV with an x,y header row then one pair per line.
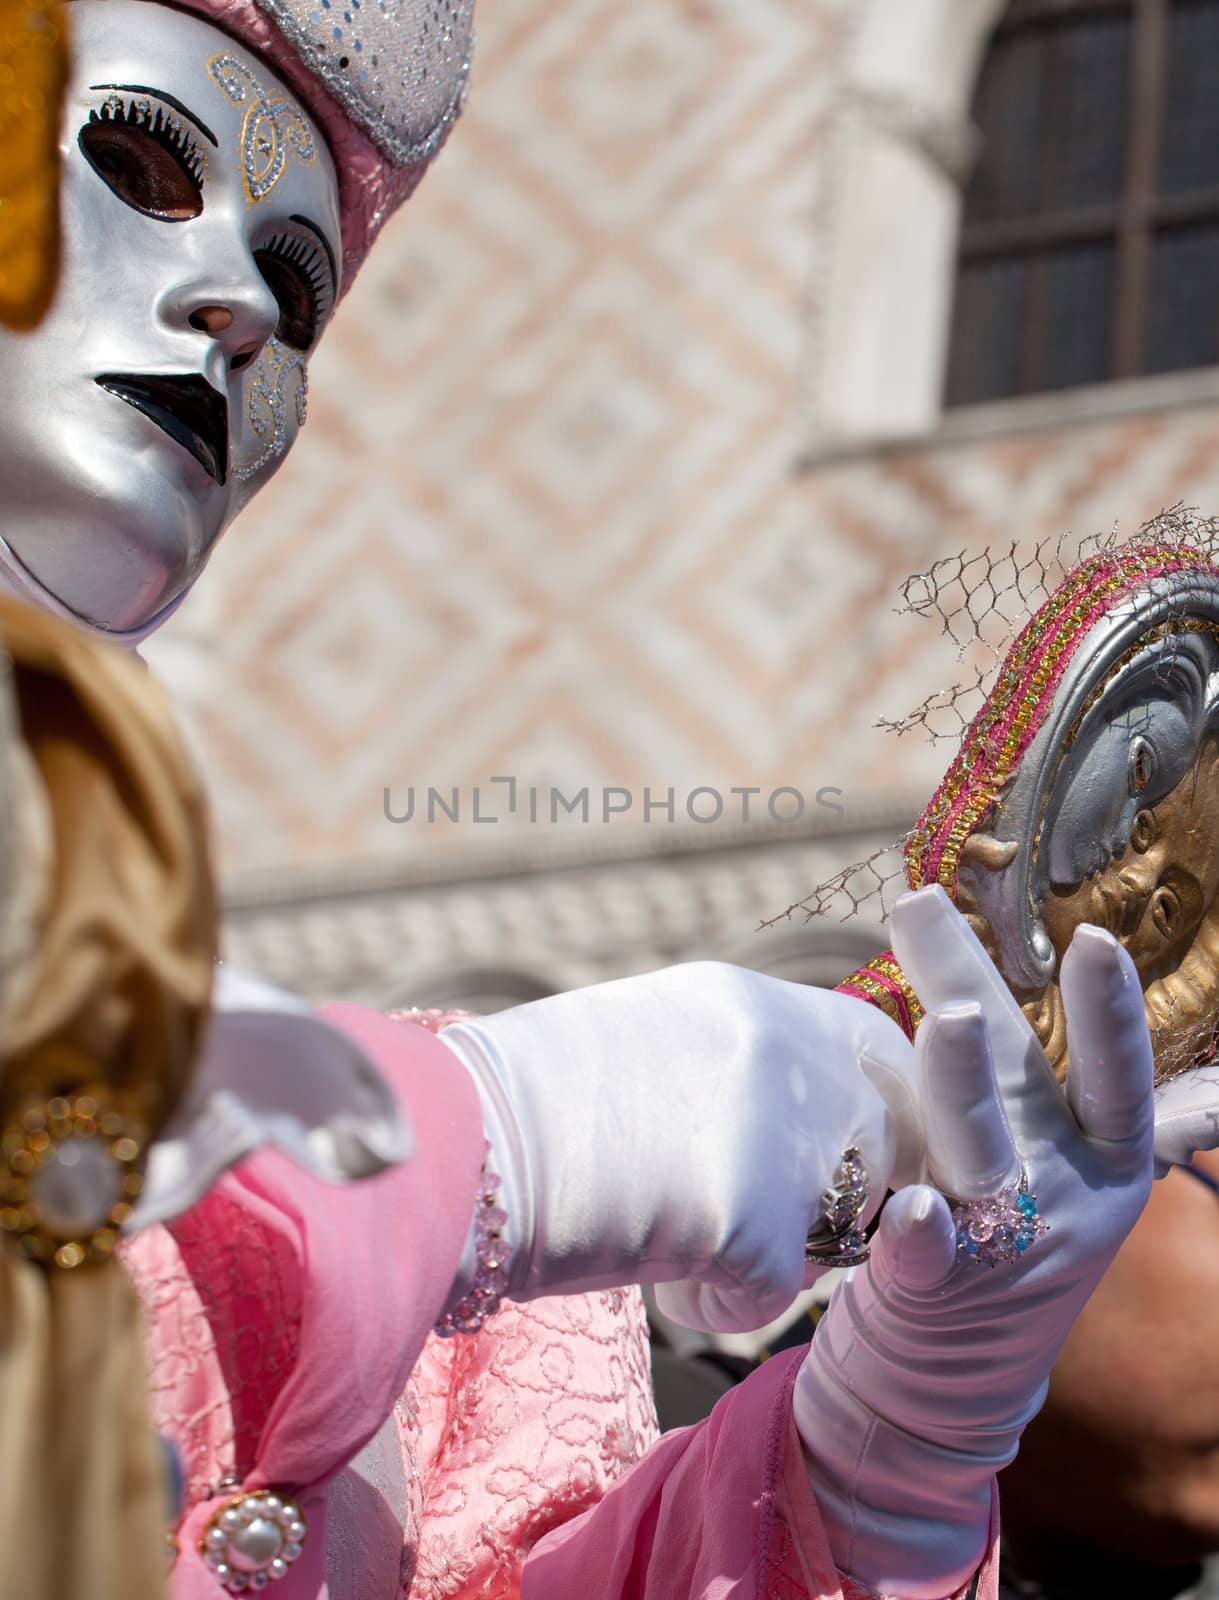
x,y
185,407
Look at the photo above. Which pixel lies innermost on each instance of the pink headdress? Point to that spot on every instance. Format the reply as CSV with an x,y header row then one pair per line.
x,y
384,80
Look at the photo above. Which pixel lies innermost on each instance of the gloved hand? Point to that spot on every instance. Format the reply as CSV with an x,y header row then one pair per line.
x,y
1187,1116
684,1125
927,1365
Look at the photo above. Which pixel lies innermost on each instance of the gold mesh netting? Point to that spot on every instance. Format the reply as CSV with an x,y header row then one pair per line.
x,y
978,601
1015,618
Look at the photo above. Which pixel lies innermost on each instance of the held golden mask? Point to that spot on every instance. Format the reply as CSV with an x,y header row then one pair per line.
x,y
1086,789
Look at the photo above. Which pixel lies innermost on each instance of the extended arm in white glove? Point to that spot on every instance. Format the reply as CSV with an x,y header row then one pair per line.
x,y
927,1365
683,1125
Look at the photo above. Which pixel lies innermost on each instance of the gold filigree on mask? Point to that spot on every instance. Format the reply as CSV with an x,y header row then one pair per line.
x,y
279,379
274,126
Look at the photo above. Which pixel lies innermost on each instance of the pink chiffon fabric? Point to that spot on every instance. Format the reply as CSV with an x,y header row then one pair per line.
x,y
289,1324
286,1315
289,1333
720,1511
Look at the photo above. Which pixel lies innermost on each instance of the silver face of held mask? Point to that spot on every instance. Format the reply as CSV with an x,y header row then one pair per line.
x,y
167,382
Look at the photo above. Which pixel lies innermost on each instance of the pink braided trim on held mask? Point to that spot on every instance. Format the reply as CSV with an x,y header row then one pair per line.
x,y
371,188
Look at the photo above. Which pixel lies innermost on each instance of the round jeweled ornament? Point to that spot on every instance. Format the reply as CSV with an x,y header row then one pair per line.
x,y
69,1174
252,1540
999,1228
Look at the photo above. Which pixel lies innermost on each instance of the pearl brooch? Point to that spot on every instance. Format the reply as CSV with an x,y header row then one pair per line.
x,y
69,1174
252,1540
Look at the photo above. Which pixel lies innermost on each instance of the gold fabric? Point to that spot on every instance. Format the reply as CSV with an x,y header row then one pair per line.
x,y
112,994
83,1508
128,940
33,71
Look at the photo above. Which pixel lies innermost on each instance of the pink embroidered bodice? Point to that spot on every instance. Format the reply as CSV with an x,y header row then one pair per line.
x,y
497,1438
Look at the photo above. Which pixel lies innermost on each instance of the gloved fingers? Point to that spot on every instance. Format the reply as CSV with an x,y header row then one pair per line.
x,y
713,1308
1187,1115
970,1153
896,1084
915,1245
843,1035
944,960
1110,1078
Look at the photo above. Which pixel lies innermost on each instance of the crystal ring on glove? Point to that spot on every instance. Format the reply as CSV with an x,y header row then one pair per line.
x,y
1001,1227
835,1238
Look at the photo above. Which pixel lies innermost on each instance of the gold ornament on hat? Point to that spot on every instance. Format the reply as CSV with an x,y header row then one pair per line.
x,y
33,72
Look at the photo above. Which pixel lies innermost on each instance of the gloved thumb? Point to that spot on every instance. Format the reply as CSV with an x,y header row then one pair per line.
x,y
915,1247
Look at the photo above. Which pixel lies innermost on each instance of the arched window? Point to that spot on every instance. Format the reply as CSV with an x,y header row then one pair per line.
x,y
1090,239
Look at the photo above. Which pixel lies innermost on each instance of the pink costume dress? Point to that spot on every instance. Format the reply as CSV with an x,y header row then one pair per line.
x,y
289,1332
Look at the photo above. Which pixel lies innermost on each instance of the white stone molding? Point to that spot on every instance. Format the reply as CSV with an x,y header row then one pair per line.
x,y
495,938
903,145
1177,392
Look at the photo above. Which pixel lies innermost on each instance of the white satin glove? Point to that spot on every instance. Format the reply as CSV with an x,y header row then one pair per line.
x,y
1187,1116
683,1125
927,1365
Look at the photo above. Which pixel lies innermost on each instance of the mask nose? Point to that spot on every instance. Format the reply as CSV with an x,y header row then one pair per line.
x,y
211,319
238,316
217,320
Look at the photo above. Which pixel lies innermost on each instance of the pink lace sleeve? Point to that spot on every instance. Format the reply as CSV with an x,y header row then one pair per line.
x,y
513,1431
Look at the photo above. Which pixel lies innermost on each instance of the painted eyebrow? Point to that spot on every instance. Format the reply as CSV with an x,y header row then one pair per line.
x,y
160,94
325,244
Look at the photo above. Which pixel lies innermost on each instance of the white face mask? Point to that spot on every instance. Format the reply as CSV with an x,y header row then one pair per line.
x,y
167,382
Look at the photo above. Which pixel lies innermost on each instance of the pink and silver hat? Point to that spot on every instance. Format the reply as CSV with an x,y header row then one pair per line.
x,y
384,79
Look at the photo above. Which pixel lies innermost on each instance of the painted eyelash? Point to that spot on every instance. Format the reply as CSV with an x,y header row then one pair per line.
x,y
309,257
167,128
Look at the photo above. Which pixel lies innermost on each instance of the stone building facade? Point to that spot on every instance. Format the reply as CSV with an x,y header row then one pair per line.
x,y
618,454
